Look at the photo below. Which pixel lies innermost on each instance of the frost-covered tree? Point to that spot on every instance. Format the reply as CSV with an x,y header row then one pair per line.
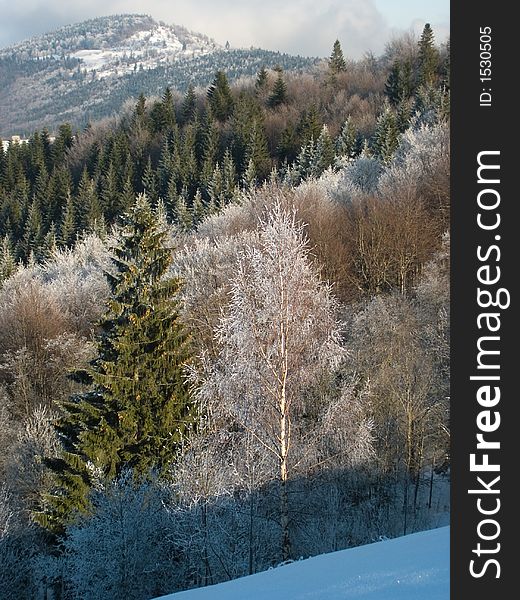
x,y
122,550
278,338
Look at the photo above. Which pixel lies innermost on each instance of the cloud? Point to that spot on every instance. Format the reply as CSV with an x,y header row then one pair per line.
x,y
296,26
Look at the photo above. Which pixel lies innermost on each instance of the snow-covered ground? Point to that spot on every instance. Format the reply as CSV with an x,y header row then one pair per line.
x,y
414,567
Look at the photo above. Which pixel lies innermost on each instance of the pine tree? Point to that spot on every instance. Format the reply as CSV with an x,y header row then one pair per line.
x,y
279,93
428,57
337,62
137,410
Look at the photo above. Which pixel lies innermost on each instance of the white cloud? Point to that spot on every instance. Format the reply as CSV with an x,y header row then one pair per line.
x,y
298,26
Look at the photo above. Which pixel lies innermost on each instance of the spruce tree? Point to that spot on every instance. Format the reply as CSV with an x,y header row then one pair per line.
x,y
279,93
428,57
261,79
67,235
220,97
393,85
347,142
325,152
138,410
386,136
189,105
7,261
337,62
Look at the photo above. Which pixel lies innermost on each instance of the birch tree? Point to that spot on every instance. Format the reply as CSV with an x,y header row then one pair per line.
x,y
278,338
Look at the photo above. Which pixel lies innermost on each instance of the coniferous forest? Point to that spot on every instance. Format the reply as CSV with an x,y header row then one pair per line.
x,y
224,328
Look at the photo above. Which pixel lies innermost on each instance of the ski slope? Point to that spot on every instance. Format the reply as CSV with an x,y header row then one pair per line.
x,y
413,567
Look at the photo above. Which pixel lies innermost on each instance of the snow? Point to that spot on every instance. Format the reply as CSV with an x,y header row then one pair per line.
x,y
148,48
413,567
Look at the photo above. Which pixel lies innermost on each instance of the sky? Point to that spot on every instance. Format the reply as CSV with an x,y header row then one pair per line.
x,y
305,27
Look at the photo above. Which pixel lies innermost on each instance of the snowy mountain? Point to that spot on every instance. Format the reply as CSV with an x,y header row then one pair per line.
x,y
86,71
413,567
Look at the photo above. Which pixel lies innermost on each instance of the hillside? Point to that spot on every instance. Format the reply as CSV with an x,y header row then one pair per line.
x,y
84,72
408,568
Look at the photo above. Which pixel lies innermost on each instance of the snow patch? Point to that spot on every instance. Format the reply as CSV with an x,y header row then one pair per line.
x,y
413,567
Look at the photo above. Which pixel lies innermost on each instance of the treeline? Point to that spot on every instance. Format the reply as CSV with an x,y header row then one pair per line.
x,y
199,151
189,400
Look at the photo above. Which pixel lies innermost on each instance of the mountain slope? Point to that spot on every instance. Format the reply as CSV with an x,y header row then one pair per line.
x,y
86,71
408,568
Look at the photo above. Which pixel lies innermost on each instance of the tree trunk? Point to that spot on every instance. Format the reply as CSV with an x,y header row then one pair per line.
x,y
284,503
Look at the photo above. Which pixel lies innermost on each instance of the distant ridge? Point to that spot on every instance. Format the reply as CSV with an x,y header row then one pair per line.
x,y
86,71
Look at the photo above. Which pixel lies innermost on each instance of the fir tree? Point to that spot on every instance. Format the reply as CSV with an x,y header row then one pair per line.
x,y
137,410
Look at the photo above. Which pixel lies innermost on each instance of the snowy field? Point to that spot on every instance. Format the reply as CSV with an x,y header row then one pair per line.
x,y
414,567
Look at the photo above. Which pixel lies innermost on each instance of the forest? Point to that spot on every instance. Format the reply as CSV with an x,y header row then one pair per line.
x,y
224,328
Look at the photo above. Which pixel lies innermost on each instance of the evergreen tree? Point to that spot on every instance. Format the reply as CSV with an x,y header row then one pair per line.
x,y
199,209
168,121
220,97
288,145
310,125
137,410
393,85
337,62
324,152
279,93
67,235
386,136
347,142
88,208
33,233
189,105
446,67
149,183
428,57
261,79
50,243
183,216
7,261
